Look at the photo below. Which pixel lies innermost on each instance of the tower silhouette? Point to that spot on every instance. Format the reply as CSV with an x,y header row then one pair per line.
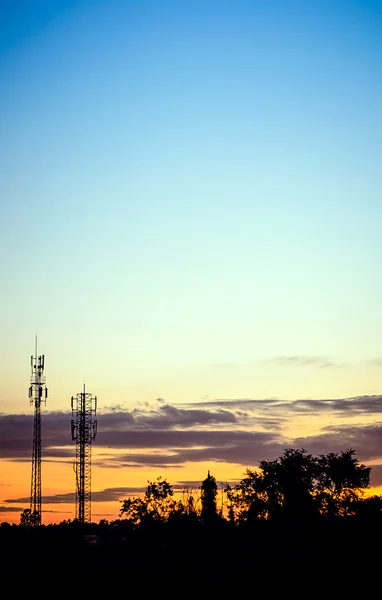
x,y
84,430
37,394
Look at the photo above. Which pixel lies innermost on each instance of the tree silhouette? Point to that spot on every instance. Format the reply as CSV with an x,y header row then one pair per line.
x,y
293,476
370,509
209,490
156,505
299,486
28,518
340,483
186,507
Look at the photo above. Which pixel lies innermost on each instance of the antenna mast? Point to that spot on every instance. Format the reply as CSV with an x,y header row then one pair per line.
x,y
37,394
84,431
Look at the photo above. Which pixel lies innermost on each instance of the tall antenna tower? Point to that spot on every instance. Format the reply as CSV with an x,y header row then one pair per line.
x,y
84,431
37,394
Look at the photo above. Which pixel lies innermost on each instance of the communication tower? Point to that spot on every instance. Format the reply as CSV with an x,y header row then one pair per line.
x,y
84,430
37,394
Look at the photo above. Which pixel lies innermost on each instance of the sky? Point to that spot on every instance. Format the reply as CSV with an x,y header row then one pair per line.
x,y
190,224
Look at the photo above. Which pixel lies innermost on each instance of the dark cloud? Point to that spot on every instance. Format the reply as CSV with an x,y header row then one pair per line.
x,y
237,447
55,499
165,415
116,494
163,438
8,509
169,416
239,431
367,405
16,434
190,484
376,475
365,439
107,495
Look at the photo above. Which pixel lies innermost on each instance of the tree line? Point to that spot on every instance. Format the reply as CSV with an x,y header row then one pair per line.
x,y
297,486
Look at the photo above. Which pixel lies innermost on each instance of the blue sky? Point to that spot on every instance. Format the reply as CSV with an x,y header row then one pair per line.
x,y
190,184
191,202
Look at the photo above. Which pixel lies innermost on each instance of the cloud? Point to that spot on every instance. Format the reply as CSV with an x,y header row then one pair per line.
x,y
8,509
179,447
165,415
107,495
16,433
116,494
376,475
305,361
55,499
365,439
236,431
360,404
375,362
168,416
320,362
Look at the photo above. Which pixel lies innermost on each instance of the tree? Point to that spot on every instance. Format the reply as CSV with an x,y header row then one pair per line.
x,y
249,500
28,518
290,480
156,504
280,488
340,483
299,486
370,509
187,506
209,490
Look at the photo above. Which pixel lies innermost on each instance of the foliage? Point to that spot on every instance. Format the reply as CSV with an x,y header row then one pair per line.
x,y
187,506
209,490
28,518
340,483
156,505
299,486
370,509
249,499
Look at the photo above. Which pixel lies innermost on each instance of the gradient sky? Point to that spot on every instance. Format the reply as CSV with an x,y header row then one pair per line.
x,y
190,222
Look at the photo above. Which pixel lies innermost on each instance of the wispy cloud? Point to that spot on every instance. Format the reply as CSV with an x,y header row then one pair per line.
x,y
115,494
106,495
376,362
8,509
321,362
370,405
